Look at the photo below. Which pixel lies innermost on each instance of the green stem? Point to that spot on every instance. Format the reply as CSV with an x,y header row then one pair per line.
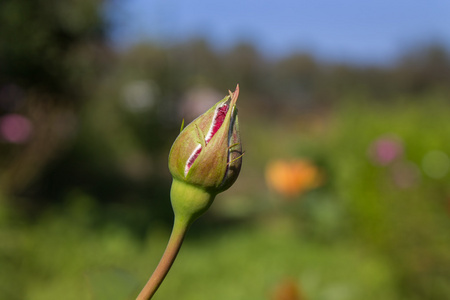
x,y
173,246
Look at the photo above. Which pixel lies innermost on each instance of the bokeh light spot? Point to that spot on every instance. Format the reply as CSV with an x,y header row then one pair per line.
x,y
436,164
15,128
385,150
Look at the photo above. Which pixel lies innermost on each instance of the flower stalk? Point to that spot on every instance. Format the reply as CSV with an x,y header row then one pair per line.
x,y
204,160
173,246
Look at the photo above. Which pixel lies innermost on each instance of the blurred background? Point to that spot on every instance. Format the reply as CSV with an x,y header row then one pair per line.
x,y
344,191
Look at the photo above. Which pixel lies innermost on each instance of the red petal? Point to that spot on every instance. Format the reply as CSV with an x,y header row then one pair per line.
x,y
219,117
192,158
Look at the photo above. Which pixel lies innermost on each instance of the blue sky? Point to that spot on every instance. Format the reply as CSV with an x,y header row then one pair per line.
x,y
349,30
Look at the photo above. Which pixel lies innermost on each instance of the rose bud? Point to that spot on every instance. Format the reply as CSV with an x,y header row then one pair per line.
x,y
206,158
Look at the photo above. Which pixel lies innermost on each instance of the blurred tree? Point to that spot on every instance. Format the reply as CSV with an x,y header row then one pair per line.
x,y
297,78
243,64
51,53
50,46
423,69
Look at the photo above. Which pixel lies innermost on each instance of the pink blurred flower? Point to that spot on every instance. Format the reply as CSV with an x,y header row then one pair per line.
x,y
385,150
15,128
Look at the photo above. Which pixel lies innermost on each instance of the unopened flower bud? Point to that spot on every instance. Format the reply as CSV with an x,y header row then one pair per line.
x,y
206,157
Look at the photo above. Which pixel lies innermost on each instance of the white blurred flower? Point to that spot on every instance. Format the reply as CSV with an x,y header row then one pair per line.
x,y
139,95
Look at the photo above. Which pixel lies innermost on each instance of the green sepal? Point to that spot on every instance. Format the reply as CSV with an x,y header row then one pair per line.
x,y
189,201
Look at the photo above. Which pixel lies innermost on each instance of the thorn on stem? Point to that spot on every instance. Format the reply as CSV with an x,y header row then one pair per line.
x,y
236,158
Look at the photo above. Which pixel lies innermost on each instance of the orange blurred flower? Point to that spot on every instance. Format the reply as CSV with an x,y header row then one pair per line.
x,y
288,289
292,178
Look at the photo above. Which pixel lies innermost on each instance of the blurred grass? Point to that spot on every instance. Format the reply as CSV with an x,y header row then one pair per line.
x,y
61,259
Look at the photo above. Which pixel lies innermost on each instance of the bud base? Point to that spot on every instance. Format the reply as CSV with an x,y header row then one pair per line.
x,y
189,201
